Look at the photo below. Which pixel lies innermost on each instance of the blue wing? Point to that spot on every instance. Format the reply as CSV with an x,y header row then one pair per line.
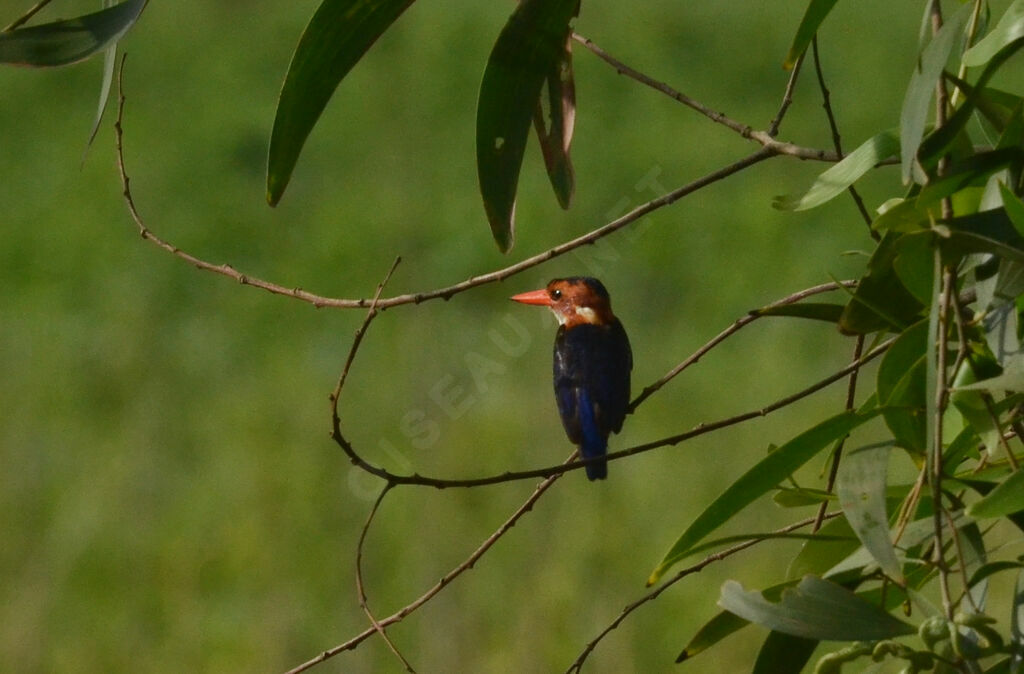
x,y
591,372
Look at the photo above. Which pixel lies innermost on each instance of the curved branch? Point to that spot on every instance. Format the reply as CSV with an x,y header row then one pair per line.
x,y
701,429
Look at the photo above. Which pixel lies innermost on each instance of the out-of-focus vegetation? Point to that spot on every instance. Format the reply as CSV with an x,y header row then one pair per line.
x,y
170,499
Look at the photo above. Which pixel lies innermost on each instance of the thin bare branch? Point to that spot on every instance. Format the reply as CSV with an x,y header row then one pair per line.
x,y
26,16
837,455
361,589
787,97
690,570
765,138
732,329
466,565
837,142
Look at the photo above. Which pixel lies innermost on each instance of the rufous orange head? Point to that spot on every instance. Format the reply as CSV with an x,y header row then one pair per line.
x,y
574,301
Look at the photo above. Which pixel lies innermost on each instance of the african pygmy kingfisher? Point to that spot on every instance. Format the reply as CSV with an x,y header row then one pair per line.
x,y
592,364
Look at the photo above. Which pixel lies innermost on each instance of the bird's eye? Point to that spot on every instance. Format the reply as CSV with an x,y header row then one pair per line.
x,y
556,294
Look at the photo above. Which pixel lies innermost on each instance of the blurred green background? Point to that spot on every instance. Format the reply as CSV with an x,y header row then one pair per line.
x,y
169,498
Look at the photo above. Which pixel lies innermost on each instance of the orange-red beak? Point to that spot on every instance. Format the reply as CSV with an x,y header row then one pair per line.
x,y
534,297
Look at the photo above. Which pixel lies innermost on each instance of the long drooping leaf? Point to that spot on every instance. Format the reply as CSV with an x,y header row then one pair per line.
x,y
815,14
914,115
832,182
64,42
764,476
337,36
555,126
861,488
1006,498
528,50
1009,28
814,609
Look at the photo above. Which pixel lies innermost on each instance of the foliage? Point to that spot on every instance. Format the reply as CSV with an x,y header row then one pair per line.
x,y
938,303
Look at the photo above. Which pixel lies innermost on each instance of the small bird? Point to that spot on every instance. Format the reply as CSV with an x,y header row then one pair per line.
x,y
592,364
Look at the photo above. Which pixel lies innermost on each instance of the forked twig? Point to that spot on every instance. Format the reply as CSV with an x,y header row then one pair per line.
x,y
577,664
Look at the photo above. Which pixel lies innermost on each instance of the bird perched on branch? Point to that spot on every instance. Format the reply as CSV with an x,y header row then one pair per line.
x,y
592,364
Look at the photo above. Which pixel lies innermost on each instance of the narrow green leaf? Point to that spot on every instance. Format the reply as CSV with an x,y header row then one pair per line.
x,y
880,301
64,42
913,264
814,609
1014,207
1012,379
529,48
725,623
861,484
337,36
984,232
916,103
1006,498
820,311
900,215
972,170
939,141
1009,28
760,479
1017,619
815,14
818,556
713,631
992,568
901,386
554,129
838,178
109,61
783,654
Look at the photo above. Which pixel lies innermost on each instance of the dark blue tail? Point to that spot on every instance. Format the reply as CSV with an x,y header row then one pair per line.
x,y
593,442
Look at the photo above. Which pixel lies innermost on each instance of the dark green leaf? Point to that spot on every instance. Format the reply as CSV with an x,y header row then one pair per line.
x,y
861,489
760,479
1006,498
942,138
1009,29
992,568
973,170
337,36
815,609
554,129
783,654
916,103
815,14
529,48
63,42
915,264
880,301
797,498
838,178
901,386
713,631
818,556
901,215
1014,208
821,311
724,624
984,232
